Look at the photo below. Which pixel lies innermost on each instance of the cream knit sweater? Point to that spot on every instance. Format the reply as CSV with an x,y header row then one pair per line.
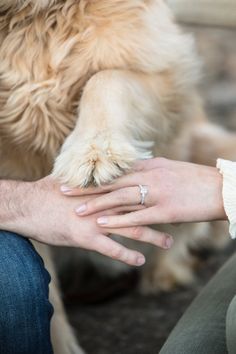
x,y
228,170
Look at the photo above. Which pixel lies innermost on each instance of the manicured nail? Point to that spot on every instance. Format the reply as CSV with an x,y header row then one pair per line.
x,y
81,209
169,242
65,189
102,221
141,261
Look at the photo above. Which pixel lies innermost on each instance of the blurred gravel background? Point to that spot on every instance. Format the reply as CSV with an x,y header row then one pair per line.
x,y
136,324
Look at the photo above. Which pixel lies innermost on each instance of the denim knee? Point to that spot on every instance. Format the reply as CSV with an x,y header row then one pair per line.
x,y
25,311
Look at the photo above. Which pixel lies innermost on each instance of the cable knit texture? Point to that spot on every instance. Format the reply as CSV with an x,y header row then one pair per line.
x,y
228,170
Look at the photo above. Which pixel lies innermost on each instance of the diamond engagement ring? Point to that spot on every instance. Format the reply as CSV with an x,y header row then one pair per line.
x,y
143,193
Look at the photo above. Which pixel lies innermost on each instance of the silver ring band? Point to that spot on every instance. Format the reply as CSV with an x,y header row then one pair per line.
x,y
143,193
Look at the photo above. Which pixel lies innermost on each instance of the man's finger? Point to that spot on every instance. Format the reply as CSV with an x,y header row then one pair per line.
x,y
145,234
114,250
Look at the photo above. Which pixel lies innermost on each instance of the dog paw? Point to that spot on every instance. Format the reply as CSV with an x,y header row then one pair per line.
x,y
97,160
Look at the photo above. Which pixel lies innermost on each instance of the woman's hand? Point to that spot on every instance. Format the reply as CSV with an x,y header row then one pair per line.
x,y
177,192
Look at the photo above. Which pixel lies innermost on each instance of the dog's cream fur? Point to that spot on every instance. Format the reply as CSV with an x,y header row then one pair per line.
x,y
123,62
111,77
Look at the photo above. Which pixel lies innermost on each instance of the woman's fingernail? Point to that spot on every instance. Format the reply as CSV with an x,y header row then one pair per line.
x,y
65,189
141,260
169,242
81,209
102,221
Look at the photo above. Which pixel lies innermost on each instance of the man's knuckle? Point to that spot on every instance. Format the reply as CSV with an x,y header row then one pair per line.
x,y
117,253
172,215
137,232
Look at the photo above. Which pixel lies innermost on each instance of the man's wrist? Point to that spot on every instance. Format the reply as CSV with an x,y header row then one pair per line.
x,y
13,203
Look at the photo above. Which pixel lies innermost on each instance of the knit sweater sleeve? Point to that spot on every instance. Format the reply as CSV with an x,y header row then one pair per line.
x,y
228,171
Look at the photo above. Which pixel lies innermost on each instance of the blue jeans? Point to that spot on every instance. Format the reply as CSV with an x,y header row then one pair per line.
x,y
25,311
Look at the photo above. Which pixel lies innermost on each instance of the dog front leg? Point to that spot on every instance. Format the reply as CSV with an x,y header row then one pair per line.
x,y
119,113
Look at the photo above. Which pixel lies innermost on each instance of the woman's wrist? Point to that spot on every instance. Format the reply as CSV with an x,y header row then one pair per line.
x,y
228,172
220,210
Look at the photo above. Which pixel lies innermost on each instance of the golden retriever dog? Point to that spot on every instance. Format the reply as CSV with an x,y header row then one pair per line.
x,y
86,88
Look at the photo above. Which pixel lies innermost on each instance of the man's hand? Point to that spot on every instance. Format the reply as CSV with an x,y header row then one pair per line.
x,y
38,210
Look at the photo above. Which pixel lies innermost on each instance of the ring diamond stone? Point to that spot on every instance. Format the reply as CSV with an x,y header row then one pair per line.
x,y
143,193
